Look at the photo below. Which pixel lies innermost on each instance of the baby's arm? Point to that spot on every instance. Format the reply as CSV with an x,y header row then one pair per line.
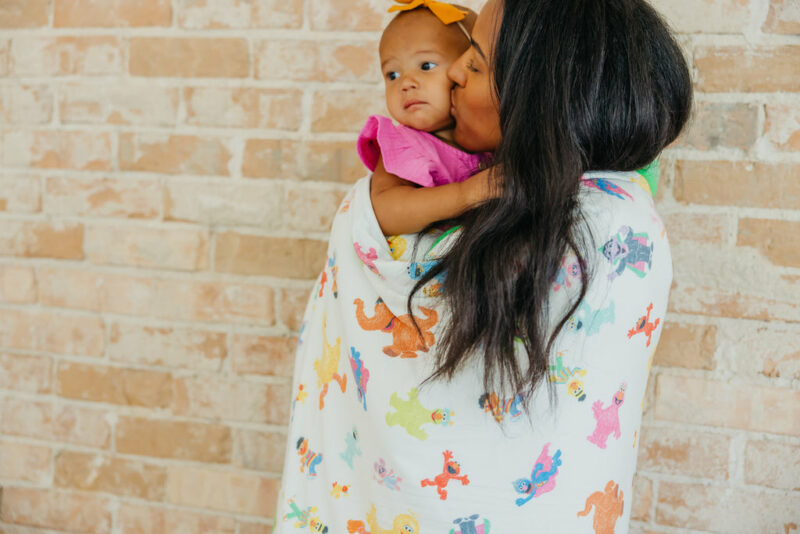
x,y
402,207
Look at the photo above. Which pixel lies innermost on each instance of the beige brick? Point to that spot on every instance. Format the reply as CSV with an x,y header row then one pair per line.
x,y
182,440
233,400
347,15
17,284
215,301
51,149
87,290
60,240
23,13
254,528
716,403
139,519
783,17
94,55
116,385
212,204
24,462
131,103
345,111
738,183
20,193
162,248
260,451
708,228
56,509
26,104
721,509
293,304
103,197
109,474
23,417
737,69
169,347
761,350
777,240
319,61
782,126
174,154
678,452
263,355
271,256
642,498
52,332
310,209
334,161
687,345
112,13
214,14
82,426
721,124
23,372
244,107
236,492
189,57
705,16
772,464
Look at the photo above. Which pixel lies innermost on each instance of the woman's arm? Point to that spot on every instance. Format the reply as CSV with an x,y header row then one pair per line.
x,y
403,207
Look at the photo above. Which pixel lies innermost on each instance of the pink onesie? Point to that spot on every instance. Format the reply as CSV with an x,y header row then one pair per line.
x,y
414,155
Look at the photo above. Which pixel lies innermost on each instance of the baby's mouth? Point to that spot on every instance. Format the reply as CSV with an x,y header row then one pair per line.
x,y
412,103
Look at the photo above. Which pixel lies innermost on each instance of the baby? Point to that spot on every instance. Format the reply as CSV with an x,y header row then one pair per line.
x,y
419,173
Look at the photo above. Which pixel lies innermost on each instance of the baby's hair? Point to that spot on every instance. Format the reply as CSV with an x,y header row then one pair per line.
x,y
463,26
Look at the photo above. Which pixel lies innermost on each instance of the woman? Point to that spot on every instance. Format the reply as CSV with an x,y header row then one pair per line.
x,y
496,380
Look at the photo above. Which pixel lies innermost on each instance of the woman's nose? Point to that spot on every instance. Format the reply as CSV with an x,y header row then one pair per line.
x,y
456,71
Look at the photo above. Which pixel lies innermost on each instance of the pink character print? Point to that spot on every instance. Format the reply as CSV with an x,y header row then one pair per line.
x,y
386,476
607,419
367,258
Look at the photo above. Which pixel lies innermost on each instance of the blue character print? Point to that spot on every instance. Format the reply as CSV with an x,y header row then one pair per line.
x,y
630,250
361,375
351,440
471,525
543,477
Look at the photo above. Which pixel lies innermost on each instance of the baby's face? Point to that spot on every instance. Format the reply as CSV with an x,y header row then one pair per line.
x,y
416,51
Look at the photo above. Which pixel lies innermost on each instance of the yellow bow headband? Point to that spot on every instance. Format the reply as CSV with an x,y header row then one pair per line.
x,y
447,13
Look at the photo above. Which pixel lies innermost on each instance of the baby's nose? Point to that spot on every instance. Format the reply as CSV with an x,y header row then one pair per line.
x,y
409,82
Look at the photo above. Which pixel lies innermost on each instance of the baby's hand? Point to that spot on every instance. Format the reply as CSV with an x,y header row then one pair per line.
x,y
478,188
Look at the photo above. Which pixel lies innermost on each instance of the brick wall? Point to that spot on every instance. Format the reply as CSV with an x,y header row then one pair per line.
x,y
170,171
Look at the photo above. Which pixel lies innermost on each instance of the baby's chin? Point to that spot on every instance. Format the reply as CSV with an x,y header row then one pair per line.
x,y
432,124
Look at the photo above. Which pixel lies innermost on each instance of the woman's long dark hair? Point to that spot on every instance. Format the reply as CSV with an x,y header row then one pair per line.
x,y
581,85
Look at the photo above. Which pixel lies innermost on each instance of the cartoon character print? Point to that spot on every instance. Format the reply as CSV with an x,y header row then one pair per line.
x,y
411,415
608,505
405,339
368,258
471,525
570,270
561,374
304,518
386,476
499,408
322,280
606,186
543,476
607,419
327,365
397,246
628,250
402,524
339,490
361,375
334,269
644,326
300,397
589,321
302,330
351,450
416,270
450,471
309,460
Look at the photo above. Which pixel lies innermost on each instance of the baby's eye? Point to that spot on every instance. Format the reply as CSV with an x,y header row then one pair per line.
x,y
392,75
428,65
